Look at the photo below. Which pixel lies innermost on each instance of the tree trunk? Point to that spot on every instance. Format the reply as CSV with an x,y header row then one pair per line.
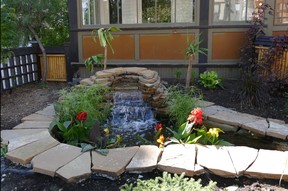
x,y
43,53
189,73
105,57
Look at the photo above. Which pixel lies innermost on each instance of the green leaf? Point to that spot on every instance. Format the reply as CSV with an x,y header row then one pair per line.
x,y
53,124
67,124
86,147
103,152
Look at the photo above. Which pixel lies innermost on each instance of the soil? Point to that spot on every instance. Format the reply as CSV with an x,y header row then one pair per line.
x,y
30,98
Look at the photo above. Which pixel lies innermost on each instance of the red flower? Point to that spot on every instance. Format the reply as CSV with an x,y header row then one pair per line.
x,y
196,116
158,127
82,116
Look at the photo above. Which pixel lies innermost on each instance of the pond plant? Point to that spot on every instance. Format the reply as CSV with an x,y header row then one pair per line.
x,y
80,115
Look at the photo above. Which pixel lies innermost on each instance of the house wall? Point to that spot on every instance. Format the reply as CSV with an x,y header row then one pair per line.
x,y
162,46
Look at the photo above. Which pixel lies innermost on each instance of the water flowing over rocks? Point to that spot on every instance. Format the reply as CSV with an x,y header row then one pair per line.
x,y
147,81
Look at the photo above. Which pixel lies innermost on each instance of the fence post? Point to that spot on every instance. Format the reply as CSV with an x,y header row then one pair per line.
x,y
35,45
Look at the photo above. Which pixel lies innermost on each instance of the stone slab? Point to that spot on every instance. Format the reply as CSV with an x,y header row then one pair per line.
x,y
148,74
115,162
36,117
76,170
7,135
47,111
178,158
134,70
101,74
203,103
145,160
87,81
24,140
233,118
242,157
211,110
51,160
277,130
216,159
259,126
25,154
33,125
269,164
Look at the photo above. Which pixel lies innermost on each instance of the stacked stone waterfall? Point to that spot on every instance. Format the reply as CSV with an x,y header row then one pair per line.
x,y
148,82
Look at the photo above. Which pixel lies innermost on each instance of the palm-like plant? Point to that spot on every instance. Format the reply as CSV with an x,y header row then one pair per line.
x,y
193,48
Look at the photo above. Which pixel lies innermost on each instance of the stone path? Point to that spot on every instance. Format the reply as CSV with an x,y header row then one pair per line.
x,y
31,143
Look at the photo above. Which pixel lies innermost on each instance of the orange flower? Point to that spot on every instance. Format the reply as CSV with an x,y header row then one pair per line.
x,y
158,127
196,116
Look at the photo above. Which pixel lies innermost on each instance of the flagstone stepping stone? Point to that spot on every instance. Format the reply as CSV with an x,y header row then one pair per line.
x,y
260,126
24,140
47,111
37,117
51,160
242,157
204,104
279,131
179,158
24,154
212,110
113,165
216,159
7,135
145,160
33,125
76,170
269,164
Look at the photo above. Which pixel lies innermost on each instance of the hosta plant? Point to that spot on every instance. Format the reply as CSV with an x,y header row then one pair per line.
x,y
210,80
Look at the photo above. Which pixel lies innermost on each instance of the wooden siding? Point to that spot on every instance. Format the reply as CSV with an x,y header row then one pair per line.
x,y
56,67
163,46
123,46
226,45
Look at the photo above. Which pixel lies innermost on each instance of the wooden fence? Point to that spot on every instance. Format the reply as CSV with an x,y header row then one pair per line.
x,y
25,67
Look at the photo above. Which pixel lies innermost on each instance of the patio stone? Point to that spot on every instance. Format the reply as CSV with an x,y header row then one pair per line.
x,y
145,160
114,163
259,127
7,135
76,170
279,131
36,117
24,140
269,164
178,158
33,125
203,104
216,159
47,111
51,160
213,109
242,161
24,154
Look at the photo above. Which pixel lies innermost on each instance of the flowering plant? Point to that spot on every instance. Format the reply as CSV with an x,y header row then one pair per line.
x,y
193,131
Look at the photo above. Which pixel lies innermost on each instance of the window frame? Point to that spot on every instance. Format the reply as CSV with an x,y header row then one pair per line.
x,y
274,18
139,25
212,22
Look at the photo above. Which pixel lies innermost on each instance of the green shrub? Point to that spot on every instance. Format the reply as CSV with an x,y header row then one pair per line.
x,y
210,80
180,103
176,183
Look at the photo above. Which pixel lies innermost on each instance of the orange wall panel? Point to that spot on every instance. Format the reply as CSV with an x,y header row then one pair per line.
x,y
123,46
162,46
226,45
279,33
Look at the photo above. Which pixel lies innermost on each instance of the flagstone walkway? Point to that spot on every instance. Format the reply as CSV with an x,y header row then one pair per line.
x,y
31,143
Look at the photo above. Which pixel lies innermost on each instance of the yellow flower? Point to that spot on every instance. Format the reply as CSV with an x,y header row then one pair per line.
x,y
161,139
214,132
106,131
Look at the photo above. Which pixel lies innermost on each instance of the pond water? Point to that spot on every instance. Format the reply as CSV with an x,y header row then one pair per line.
x,y
134,119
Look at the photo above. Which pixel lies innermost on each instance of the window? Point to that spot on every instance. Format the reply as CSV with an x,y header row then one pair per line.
x,y
232,10
137,11
281,12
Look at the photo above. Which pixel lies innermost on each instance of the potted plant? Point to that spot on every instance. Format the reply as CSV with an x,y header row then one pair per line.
x,y
105,37
193,48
